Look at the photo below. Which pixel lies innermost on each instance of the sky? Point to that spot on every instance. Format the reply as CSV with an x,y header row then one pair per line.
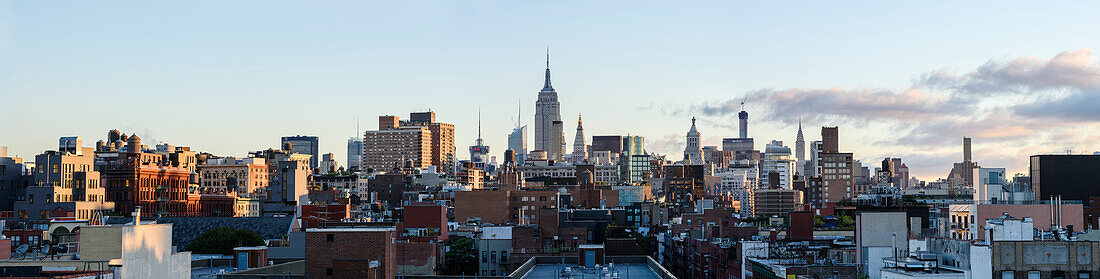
x,y
902,80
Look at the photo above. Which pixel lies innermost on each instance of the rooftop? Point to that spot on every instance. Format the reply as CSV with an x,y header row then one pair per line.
x,y
617,267
633,271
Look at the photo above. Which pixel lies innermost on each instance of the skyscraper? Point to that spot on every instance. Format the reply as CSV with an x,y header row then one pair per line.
x,y
517,141
557,142
800,144
962,173
304,145
547,111
777,166
580,148
355,153
743,118
693,153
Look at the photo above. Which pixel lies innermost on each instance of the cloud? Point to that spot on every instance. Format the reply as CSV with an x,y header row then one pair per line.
x,y
1070,69
1013,108
1081,106
815,104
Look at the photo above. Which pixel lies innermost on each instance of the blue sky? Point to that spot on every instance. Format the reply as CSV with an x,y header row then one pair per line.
x,y
232,77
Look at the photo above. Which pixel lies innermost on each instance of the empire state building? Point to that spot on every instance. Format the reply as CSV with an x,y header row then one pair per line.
x,y
548,136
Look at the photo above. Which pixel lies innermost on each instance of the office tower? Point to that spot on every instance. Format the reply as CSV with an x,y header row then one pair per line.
x,y
417,143
966,150
557,142
580,148
355,154
547,111
305,145
633,145
517,141
743,118
693,152
612,144
1074,177
777,165
800,145
479,152
811,167
738,144
836,169
962,173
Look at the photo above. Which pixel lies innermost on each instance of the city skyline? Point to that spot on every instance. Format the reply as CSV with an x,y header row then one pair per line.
x,y
1015,94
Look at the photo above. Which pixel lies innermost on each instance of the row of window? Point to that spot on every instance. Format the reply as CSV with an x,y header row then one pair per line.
x,y
1034,274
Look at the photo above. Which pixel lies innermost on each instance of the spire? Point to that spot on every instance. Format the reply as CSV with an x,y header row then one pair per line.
x,y
546,86
479,123
578,120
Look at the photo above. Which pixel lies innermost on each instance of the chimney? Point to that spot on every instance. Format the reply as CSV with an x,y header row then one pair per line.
x,y
137,215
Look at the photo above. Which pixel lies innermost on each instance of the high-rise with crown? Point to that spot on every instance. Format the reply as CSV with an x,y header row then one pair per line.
x,y
800,148
547,111
693,153
580,148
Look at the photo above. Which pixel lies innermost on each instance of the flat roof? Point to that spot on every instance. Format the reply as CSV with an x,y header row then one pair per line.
x,y
370,229
552,271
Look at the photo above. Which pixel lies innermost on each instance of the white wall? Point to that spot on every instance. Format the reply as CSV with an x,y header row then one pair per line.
x,y
981,262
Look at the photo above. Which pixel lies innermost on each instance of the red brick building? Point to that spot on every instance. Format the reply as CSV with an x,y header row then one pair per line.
x,y
426,222
210,205
488,205
148,180
313,215
351,252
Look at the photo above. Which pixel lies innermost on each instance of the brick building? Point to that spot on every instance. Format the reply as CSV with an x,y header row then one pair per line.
x,y
351,253
150,180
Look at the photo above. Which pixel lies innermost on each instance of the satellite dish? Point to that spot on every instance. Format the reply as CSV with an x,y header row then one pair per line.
x,y
22,249
46,249
62,249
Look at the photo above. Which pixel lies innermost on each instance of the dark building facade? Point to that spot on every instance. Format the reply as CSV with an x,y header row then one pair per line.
x,y
1074,177
614,144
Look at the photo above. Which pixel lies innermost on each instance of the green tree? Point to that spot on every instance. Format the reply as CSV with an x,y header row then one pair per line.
x,y
845,222
223,240
461,257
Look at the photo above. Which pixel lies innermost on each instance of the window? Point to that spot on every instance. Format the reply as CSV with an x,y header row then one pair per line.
x,y
493,258
1083,275
1033,275
484,258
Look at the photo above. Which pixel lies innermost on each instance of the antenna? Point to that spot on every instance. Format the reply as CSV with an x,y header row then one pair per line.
x,y
519,105
743,103
479,123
